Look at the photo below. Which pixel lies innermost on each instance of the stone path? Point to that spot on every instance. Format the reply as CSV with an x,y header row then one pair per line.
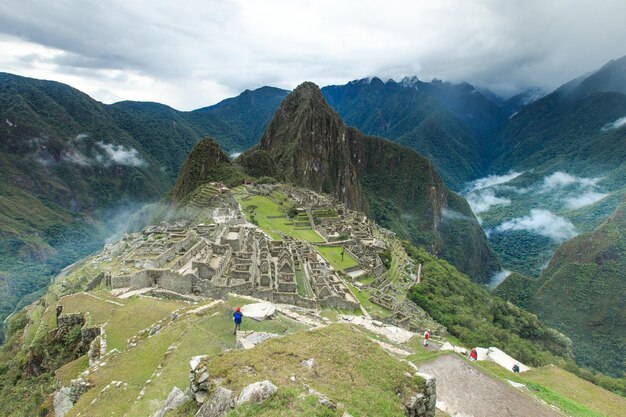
x,y
463,390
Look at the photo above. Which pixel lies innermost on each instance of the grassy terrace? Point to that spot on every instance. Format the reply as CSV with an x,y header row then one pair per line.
x,y
272,217
364,300
190,335
573,395
303,290
349,368
333,255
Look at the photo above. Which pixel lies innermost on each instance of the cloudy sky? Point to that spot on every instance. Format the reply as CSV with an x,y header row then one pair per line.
x,y
190,54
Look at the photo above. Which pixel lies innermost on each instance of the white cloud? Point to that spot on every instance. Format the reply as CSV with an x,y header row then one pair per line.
x,y
234,155
585,199
498,277
454,215
491,180
542,222
192,56
560,180
104,154
614,125
76,157
483,200
120,155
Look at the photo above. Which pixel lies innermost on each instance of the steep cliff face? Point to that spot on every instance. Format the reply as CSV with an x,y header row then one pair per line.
x,y
313,148
582,293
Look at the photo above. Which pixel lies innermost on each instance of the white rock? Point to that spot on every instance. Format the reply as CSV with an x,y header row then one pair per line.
x,y
195,361
258,311
257,392
308,363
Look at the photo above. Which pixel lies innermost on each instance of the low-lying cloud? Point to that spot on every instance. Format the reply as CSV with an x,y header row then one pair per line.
x,y
585,199
83,151
498,277
454,215
621,122
542,222
492,180
483,200
560,180
120,155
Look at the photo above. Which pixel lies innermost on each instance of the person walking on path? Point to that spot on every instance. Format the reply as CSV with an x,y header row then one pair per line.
x,y
426,337
474,355
237,317
516,368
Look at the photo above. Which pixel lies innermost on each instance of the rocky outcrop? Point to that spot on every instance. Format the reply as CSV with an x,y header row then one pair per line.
x,y
218,404
214,399
87,336
423,404
199,379
66,397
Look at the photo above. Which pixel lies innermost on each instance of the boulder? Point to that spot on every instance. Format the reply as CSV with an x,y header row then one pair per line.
x,y
175,399
218,404
257,392
258,311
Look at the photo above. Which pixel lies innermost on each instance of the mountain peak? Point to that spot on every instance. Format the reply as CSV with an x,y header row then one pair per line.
x,y
206,163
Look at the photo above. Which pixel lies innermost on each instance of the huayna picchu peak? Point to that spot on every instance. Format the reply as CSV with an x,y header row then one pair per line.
x,y
313,148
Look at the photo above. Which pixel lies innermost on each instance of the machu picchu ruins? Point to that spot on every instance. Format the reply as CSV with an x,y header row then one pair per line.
x,y
232,255
217,247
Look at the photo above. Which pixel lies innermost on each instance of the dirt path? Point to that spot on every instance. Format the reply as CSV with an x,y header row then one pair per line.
x,y
463,390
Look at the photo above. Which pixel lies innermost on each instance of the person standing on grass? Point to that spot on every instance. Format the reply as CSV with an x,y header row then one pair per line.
x,y
516,368
237,317
426,337
474,355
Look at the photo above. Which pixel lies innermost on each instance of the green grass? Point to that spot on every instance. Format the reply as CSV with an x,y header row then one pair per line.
x,y
137,314
577,389
572,395
286,402
192,335
348,368
364,300
134,367
71,370
99,311
265,214
122,322
333,313
332,254
302,288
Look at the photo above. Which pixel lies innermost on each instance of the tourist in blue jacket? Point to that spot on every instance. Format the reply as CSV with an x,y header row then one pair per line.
x,y
237,317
